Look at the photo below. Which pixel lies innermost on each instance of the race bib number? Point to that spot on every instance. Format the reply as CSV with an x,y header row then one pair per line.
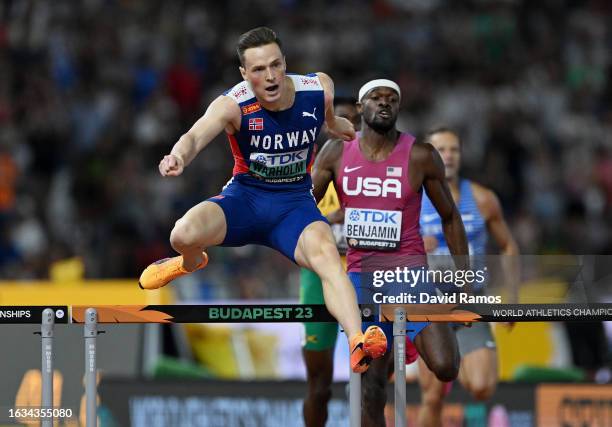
x,y
373,229
280,167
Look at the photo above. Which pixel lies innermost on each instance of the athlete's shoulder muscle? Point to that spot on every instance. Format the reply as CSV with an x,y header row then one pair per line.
x,y
222,113
328,87
240,92
424,156
325,80
425,164
306,82
486,200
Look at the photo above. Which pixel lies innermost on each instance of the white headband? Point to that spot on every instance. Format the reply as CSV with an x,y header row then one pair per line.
x,y
378,83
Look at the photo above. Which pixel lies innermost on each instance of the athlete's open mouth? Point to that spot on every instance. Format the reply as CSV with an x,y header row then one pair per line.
x,y
272,88
385,114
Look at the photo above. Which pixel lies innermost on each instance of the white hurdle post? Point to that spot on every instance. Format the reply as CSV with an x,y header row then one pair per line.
x,y
355,399
91,392
46,334
399,356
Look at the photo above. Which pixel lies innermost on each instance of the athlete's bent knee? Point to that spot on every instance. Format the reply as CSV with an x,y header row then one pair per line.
x,y
320,393
433,395
183,235
445,367
482,388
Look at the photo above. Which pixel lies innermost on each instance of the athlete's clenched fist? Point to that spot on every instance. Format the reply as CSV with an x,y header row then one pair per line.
x,y
171,165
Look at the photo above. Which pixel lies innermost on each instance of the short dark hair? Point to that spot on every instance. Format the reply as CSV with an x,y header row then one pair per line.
x,y
256,37
442,129
345,100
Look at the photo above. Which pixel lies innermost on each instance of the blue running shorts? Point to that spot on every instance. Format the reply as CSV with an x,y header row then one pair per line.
x,y
271,218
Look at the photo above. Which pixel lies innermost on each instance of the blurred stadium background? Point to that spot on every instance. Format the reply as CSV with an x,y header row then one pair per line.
x,y
93,93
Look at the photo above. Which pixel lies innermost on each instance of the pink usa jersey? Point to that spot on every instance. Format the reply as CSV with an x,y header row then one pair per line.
x,y
274,149
381,209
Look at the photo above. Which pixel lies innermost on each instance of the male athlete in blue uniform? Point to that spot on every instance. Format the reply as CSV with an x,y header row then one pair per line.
x,y
482,216
272,120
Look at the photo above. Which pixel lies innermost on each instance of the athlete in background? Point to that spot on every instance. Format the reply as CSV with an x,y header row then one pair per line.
x,y
482,216
320,338
383,172
272,120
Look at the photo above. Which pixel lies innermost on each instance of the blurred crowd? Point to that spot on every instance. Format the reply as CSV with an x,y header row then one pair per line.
x,y
93,93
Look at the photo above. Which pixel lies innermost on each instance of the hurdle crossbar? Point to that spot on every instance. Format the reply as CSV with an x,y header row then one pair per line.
x,y
90,316
296,313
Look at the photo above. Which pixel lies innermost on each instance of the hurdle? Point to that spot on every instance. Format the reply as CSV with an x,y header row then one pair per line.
x,y
399,349
90,333
285,313
399,360
46,334
399,357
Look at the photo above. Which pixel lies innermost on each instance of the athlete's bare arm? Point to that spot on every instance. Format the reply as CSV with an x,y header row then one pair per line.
x,y
490,208
338,127
222,114
427,169
325,167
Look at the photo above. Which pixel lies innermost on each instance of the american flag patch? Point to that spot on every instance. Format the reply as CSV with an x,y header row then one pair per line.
x,y
256,123
394,171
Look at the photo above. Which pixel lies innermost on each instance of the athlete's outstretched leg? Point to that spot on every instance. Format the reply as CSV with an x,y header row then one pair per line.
x,y
316,250
202,226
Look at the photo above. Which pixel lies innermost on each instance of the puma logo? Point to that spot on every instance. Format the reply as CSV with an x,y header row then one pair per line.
x,y
307,114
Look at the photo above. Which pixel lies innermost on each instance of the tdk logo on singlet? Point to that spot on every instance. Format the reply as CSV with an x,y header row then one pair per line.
x,y
284,141
373,216
372,187
280,158
285,165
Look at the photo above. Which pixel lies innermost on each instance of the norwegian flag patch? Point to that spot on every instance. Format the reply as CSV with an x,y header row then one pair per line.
x,y
394,171
256,123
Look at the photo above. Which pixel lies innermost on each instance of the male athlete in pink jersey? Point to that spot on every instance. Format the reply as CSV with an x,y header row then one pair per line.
x,y
379,177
